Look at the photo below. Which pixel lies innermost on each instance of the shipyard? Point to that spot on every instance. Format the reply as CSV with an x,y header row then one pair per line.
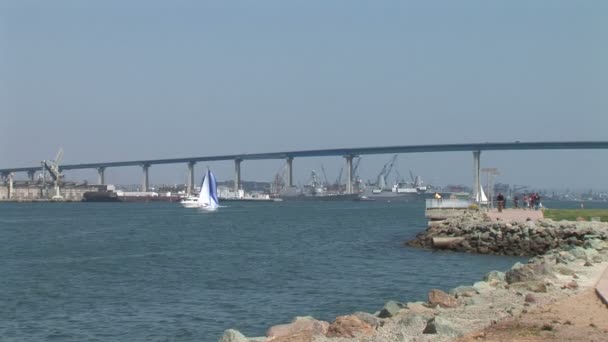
x,y
312,171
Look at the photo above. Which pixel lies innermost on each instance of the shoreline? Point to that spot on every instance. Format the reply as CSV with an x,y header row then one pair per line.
x,y
559,271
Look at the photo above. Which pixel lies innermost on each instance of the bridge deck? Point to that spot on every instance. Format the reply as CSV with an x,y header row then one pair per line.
x,y
511,146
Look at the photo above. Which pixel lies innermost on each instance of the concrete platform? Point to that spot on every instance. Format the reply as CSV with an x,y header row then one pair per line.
x,y
601,288
517,215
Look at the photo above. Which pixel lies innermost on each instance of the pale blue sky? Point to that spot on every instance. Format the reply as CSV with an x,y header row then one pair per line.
x,y
121,80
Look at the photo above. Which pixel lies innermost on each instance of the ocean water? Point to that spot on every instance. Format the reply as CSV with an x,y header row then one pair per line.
x,y
159,272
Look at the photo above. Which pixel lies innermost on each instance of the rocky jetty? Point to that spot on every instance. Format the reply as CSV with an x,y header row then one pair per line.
x,y
475,232
570,258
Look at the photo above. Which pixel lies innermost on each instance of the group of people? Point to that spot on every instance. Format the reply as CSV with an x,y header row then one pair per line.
x,y
531,201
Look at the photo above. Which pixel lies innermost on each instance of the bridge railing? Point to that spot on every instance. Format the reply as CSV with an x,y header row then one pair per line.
x,y
447,203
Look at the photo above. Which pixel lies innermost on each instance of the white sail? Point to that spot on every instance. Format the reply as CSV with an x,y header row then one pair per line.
x,y
481,196
208,196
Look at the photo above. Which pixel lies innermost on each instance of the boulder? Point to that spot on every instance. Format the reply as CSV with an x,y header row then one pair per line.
x,y
596,244
528,272
463,291
300,325
297,337
578,252
564,270
349,326
533,286
442,299
482,286
420,308
232,335
593,255
442,326
370,319
530,298
446,242
390,309
414,321
494,277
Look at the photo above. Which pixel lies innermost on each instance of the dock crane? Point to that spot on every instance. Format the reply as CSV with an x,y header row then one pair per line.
x,y
385,172
324,175
55,172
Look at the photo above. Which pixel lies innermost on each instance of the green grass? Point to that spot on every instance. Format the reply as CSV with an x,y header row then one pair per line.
x,y
572,214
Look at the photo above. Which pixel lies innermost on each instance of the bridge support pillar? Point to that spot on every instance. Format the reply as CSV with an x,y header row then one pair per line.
x,y
30,175
237,175
146,182
101,175
476,177
349,174
190,188
10,186
290,172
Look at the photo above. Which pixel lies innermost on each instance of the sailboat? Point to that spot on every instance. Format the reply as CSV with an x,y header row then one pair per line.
x,y
207,199
481,196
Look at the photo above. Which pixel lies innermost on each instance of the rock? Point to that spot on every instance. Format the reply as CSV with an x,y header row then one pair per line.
x,y
442,299
413,321
494,277
349,326
593,255
564,270
446,242
530,298
578,252
596,244
565,257
522,273
390,309
587,263
440,325
571,285
297,337
463,291
420,308
482,286
534,286
369,318
232,335
299,325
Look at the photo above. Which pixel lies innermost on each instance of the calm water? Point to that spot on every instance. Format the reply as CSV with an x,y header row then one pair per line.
x,y
158,272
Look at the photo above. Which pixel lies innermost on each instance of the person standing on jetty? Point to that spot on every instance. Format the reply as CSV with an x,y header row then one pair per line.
x,y
438,197
515,202
537,204
500,200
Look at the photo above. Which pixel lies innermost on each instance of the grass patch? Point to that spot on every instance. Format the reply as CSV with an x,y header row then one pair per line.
x,y
573,214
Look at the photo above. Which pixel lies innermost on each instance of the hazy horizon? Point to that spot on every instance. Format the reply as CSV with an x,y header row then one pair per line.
x,y
114,81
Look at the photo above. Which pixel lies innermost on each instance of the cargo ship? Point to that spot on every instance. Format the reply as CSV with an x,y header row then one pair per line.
x,y
124,196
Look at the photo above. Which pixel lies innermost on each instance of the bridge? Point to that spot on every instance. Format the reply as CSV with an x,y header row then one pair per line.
x,y
347,153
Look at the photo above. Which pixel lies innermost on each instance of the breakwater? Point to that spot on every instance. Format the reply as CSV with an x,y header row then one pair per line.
x,y
570,259
475,232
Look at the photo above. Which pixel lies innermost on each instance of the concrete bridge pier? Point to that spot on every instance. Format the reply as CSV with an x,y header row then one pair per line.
x,y
146,183
290,172
190,189
476,177
101,175
30,175
349,173
237,171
